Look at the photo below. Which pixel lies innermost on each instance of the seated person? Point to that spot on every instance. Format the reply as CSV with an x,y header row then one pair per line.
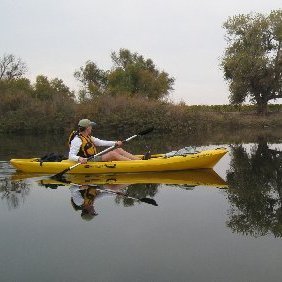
x,y
83,145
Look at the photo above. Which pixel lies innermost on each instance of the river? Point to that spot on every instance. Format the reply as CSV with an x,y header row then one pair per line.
x,y
221,225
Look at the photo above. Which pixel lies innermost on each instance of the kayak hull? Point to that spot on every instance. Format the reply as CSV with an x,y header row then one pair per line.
x,y
203,159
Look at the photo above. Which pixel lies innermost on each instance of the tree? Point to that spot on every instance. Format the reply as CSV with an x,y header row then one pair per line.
x,y
15,85
93,79
11,67
46,90
60,88
131,74
134,75
252,63
15,94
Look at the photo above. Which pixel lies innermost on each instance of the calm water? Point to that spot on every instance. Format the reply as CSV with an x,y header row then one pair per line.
x,y
224,225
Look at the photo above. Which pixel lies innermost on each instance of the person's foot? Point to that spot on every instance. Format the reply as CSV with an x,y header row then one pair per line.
x,y
147,156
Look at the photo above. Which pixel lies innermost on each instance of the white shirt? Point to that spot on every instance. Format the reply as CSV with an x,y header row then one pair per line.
x,y
76,144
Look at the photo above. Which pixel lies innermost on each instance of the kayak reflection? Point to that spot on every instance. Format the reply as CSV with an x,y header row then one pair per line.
x,y
206,177
127,189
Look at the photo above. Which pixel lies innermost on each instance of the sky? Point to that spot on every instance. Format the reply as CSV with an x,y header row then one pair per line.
x,y
184,38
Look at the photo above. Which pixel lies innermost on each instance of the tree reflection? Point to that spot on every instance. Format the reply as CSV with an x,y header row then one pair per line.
x,y
255,192
14,192
137,191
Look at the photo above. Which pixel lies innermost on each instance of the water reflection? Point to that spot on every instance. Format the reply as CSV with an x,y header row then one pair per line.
x,y
139,191
255,190
83,197
13,192
206,177
128,189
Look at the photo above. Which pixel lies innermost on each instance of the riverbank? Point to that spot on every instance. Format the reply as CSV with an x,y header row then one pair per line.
x,y
124,114
14,145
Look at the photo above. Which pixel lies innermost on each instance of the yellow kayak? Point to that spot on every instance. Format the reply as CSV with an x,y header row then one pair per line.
x,y
198,160
196,177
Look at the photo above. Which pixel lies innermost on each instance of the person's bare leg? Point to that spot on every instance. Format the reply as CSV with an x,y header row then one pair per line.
x,y
114,156
126,154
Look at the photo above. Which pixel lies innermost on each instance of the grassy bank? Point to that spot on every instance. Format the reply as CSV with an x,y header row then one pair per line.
x,y
124,114
22,113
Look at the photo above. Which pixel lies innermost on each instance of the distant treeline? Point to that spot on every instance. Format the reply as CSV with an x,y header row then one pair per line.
x,y
26,108
131,96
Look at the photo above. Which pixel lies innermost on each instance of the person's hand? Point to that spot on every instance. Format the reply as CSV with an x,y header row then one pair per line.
x,y
82,160
119,143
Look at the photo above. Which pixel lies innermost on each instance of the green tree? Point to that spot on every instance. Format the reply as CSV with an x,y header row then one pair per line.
x,y
45,89
134,75
15,85
42,88
131,75
11,67
60,88
14,94
252,63
93,79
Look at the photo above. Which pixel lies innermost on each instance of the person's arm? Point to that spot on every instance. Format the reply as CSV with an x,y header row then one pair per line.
x,y
98,142
74,149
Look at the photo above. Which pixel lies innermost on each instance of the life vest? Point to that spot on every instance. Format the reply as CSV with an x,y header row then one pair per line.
x,y
87,148
89,196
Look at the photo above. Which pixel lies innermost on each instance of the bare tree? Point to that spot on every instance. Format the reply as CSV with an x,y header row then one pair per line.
x,y
11,67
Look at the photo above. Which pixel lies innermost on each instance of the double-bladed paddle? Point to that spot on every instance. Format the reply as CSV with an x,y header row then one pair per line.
x,y
60,174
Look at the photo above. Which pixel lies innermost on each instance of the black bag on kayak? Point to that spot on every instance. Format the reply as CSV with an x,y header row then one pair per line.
x,y
52,157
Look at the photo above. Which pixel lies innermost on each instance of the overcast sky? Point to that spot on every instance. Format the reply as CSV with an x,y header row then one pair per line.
x,y
184,38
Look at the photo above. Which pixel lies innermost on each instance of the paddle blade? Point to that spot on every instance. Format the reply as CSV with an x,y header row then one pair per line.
x,y
60,174
149,201
146,131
